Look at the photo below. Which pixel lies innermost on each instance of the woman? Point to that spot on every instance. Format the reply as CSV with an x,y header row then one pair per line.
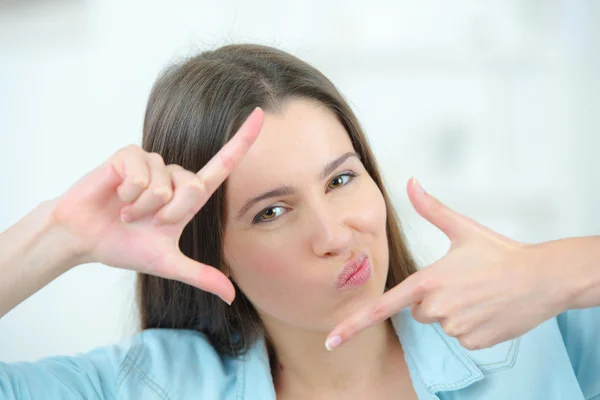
x,y
300,237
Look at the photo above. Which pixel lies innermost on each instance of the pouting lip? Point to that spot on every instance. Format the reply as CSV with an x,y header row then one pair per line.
x,y
350,269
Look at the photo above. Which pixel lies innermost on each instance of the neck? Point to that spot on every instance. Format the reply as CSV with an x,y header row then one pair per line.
x,y
302,364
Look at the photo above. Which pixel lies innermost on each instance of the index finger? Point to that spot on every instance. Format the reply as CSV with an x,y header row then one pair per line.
x,y
393,301
214,173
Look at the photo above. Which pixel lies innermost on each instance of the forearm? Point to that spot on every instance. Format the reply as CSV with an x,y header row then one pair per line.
x,y
33,252
576,263
587,267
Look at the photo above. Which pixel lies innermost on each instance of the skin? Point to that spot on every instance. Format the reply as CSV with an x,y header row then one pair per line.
x,y
488,288
130,212
127,213
291,260
288,265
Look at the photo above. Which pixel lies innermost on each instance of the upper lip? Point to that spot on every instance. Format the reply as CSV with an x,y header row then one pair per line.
x,y
350,269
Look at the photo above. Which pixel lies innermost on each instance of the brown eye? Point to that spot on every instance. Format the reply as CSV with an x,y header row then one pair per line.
x,y
339,181
268,214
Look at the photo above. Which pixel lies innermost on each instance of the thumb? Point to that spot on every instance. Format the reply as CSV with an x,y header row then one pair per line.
x,y
97,186
179,267
453,224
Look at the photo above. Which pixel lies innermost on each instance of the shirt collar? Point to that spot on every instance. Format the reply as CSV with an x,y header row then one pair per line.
x,y
433,358
254,379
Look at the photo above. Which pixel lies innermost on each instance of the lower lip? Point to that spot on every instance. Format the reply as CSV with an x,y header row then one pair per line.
x,y
360,276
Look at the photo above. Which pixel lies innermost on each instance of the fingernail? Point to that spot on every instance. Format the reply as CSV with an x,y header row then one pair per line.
x,y
419,191
333,342
227,302
126,218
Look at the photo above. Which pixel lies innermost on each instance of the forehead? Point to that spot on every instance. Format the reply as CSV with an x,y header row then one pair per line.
x,y
292,145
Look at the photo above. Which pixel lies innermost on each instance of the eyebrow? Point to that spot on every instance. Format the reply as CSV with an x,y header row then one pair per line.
x,y
286,190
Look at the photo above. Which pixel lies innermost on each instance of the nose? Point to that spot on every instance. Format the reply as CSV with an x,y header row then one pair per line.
x,y
330,235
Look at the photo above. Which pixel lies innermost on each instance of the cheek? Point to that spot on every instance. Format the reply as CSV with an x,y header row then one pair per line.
x,y
251,259
259,268
272,280
371,210
374,225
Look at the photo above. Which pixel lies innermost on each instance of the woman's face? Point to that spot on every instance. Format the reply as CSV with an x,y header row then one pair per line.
x,y
299,207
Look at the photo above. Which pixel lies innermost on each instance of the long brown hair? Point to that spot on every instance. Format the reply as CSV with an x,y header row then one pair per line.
x,y
194,109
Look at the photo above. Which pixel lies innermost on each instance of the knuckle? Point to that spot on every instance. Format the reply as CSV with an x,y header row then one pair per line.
x,y
196,185
377,313
139,182
421,288
441,213
470,342
160,218
174,169
227,160
453,328
426,283
162,194
156,158
350,328
434,309
439,305
124,152
415,311
437,207
130,148
178,175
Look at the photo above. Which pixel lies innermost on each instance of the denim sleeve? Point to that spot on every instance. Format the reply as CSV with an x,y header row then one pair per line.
x,y
94,375
580,330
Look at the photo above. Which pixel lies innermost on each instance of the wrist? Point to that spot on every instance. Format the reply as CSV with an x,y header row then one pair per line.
x,y
64,249
574,273
584,271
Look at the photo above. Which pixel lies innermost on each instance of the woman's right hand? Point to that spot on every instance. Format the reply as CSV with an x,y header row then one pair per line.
x,y
130,212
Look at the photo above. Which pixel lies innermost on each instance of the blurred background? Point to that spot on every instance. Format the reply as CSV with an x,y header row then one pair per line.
x,y
494,106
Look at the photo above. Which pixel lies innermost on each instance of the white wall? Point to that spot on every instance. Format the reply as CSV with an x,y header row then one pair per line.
x,y
493,107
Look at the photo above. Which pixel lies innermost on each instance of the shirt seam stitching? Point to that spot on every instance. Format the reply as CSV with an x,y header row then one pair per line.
x,y
130,364
461,357
512,344
127,364
149,382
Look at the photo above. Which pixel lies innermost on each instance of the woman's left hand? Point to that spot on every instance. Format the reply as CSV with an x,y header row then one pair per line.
x,y
487,289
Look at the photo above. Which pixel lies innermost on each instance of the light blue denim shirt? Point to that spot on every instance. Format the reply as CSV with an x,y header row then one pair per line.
x,y
560,359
